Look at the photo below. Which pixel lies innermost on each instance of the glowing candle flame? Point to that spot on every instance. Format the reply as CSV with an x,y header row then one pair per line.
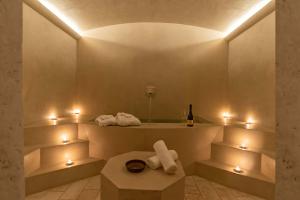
x,y
227,117
249,123
76,111
65,139
69,162
53,117
243,145
238,169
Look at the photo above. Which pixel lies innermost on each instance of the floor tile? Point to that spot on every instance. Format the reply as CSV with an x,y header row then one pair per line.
x,y
74,190
206,189
250,197
226,193
191,189
193,197
61,188
196,188
36,196
45,196
88,195
189,180
93,183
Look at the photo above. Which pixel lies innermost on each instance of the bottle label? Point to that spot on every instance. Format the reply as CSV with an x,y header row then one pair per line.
x,y
190,122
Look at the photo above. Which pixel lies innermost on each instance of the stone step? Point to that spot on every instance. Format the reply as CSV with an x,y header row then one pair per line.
x,y
250,182
32,161
49,134
268,166
249,159
60,174
51,154
254,138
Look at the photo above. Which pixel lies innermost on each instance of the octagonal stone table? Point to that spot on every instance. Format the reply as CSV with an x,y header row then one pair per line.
x,y
119,184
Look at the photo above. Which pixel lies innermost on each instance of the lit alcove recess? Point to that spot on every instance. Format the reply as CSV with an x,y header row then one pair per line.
x,y
83,59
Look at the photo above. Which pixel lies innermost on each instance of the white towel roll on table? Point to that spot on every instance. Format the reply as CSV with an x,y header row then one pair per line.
x,y
154,162
165,157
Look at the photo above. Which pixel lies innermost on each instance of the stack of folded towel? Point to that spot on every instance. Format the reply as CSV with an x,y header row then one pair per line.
x,y
106,120
164,157
121,119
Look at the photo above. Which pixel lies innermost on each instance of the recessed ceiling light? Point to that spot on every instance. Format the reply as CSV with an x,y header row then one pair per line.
x,y
60,15
247,16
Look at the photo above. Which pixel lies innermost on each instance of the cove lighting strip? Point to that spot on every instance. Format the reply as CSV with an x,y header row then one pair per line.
x,y
61,16
237,23
247,16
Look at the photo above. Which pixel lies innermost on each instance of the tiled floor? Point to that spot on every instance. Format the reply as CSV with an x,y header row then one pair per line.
x,y
196,188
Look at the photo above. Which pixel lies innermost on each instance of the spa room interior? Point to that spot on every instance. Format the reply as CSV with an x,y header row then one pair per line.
x,y
149,99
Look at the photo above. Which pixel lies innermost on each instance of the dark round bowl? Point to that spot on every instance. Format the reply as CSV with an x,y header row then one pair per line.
x,y
135,166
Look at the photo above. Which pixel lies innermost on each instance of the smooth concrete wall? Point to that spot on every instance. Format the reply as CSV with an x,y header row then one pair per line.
x,y
251,73
287,99
49,68
11,136
186,64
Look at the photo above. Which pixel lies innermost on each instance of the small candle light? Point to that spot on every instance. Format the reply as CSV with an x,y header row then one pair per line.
x,y
53,117
243,146
76,112
226,117
250,121
237,169
65,139
69,162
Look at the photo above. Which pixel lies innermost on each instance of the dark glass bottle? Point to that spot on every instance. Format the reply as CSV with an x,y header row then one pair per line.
x,y
190,117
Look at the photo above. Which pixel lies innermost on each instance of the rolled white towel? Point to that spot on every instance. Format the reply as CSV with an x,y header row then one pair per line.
x,y
106,120
154,162
125,119
165,157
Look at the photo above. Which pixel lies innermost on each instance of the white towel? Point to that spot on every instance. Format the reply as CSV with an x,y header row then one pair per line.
x,y
106,120
154,162
125,119
165,157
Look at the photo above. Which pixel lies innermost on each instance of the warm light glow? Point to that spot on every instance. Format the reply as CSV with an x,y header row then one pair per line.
x,y
60,15
69,162
243,145
238,169
53,117
76,111
250,120
65,138
249,123
247,16
226,117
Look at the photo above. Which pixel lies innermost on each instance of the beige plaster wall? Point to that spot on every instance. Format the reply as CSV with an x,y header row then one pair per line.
x,y
49,68
251,73
11,136
186,64
287,99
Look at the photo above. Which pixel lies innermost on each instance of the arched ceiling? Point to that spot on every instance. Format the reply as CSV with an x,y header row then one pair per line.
x,y
212,14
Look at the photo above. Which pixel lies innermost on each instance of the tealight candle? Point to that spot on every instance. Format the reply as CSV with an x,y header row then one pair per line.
x,y
53,117
237,169
76,112
227,117
243,145
249,123
69,162
65,139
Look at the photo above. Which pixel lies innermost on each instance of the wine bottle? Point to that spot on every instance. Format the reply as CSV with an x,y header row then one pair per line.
x,y
190,117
